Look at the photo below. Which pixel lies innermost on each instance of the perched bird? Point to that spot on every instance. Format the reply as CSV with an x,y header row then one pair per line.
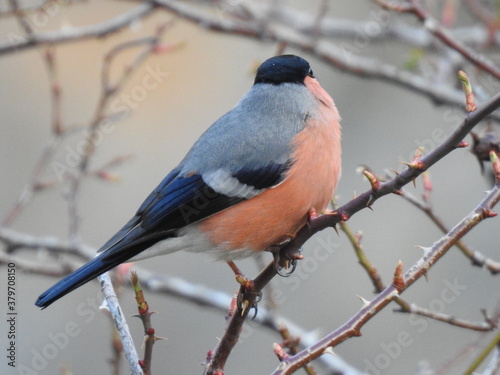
x,y
250,181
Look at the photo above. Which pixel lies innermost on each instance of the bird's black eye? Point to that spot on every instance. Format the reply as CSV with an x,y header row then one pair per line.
x,y
310,73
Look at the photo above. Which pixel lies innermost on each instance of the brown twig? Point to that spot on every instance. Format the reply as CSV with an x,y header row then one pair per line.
x,y
474,326
355,240
145,315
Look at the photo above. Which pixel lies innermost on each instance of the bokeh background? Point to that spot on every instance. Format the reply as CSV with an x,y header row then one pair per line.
x,y
383,124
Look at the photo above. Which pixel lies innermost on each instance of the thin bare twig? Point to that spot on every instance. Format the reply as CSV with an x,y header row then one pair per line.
x,y
27,9
113,25
121,324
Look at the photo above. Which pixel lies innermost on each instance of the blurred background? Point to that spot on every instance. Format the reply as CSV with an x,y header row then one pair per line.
x,y
169,100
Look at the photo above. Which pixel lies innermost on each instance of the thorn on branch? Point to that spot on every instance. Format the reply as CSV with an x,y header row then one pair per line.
x,y
329,350
374,181
357,333
364,301
416,163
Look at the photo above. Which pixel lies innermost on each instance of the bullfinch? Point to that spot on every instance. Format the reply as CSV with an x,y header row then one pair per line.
x,y
249,183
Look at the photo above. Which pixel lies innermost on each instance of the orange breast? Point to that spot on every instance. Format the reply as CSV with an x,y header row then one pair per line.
x,y
281,211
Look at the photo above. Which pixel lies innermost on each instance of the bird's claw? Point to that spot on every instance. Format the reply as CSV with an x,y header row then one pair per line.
x,y
289,267
244,301
286,262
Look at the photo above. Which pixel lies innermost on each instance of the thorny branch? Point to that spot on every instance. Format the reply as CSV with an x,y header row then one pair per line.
x,y
400,283
406,307
477,258
343,213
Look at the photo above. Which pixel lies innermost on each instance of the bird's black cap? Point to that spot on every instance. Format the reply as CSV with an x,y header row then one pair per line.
x,y
283,69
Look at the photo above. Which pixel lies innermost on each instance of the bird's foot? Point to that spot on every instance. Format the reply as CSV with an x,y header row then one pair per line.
x,y
285,262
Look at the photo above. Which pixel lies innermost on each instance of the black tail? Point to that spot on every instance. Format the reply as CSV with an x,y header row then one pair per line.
x,y
74,280
120,252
